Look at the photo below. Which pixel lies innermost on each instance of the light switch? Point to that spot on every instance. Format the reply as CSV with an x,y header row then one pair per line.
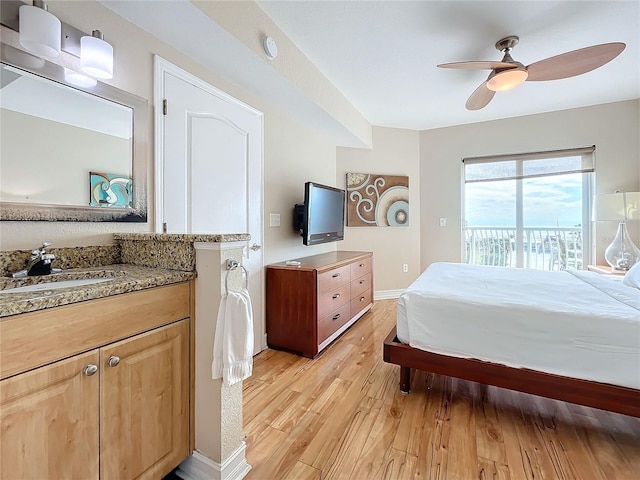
x,y
443,221
274,219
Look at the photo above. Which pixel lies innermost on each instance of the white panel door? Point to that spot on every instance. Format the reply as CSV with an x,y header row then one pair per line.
x,y
211,174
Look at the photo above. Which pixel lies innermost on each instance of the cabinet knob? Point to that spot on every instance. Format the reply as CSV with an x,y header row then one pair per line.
x,y
361,299
335,275
335,317
113,361
337,295
361,265
361,282
90,369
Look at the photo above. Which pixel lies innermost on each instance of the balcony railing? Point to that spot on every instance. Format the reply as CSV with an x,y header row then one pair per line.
x,y
544,248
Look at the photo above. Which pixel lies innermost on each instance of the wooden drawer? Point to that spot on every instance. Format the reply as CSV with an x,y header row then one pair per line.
x,y
333,300
332,322
361,301
33,339
361,284
360,267
331,279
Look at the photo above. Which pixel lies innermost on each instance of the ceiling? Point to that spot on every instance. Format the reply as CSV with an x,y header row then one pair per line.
x,y
382,56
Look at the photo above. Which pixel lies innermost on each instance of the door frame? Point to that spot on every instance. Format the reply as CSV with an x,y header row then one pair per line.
x,y
160,67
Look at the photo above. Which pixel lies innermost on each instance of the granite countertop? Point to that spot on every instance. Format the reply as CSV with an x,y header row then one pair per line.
x,y
184,237
125,278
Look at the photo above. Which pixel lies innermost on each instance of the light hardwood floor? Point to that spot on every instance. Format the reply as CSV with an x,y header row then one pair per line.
x,y
342,416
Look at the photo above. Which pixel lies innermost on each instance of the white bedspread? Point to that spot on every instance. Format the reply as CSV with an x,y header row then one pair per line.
x,y
573,323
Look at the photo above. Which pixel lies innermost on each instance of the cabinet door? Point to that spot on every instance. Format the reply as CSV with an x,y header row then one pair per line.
x,y
49,421
144,404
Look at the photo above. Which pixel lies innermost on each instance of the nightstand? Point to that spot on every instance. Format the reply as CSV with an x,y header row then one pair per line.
x,y
605,270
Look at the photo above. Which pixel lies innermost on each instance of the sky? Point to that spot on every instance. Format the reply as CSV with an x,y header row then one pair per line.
x,y
548,202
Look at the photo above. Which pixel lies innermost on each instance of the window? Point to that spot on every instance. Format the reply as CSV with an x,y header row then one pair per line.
x,y
529,210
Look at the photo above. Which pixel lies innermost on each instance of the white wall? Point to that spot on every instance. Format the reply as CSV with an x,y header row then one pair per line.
x,y
612,128
394,152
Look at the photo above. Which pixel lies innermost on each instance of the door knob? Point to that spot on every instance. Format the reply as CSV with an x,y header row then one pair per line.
x,y
90,369
256,247
113,361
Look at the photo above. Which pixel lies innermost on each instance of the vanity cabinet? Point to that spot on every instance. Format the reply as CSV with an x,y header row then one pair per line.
x,y
50,419
120,410
309,305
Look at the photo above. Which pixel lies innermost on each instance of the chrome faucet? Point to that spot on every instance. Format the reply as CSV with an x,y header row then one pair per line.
x,y
39,263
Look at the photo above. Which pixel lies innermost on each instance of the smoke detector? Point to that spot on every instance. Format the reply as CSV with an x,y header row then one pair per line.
x,y
270,47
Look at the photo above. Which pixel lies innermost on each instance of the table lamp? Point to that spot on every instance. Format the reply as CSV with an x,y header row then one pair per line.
x,y
621,254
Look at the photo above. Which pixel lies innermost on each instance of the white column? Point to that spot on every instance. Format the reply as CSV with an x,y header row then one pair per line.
x,y
219,441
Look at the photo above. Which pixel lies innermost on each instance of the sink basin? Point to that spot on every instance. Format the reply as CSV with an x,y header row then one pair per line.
x,y
40,287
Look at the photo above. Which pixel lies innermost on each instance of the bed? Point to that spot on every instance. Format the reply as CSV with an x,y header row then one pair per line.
x,y
570,335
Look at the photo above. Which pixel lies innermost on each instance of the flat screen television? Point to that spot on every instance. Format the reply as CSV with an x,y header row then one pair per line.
x,y
321,218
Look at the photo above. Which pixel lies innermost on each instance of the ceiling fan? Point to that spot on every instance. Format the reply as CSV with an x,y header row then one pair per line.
x,y
508,73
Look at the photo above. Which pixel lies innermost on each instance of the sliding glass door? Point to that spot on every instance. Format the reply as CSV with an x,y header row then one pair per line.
x,y
529,211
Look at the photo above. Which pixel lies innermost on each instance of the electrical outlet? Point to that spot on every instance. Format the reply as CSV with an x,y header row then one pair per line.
x,y
405,268
443,221
274,219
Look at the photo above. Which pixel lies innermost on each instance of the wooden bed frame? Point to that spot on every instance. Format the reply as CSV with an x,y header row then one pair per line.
x,y
592,394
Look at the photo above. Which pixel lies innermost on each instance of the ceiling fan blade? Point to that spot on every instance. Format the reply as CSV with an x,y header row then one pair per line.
x,y
477,65
480,98
574,63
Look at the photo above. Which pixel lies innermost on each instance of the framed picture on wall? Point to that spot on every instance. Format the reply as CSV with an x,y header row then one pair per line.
x,y
377,200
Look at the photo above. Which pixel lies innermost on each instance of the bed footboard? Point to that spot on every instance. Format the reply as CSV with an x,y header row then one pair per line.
x,y
583,392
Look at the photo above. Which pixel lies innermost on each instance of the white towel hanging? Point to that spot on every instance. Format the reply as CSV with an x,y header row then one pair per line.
x,y
233,343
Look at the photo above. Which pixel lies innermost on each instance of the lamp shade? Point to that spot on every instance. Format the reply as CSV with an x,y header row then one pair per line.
x,y
40,31
619,206
96,56
507,79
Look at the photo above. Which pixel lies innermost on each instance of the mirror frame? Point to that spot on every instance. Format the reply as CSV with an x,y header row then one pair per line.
x,y
12,211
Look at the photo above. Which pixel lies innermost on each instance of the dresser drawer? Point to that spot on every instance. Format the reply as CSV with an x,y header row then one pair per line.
x,y
332,322
361,284
361,301
331,279
333,300
360,267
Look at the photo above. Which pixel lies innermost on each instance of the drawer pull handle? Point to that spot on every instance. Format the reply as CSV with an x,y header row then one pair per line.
x,y
90,369
361,299
335,317
113,361
361,282
336,275
337,295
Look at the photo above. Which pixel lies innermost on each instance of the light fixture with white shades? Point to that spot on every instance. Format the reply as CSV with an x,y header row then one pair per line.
x,y
40,31
622,253
96,56
42,34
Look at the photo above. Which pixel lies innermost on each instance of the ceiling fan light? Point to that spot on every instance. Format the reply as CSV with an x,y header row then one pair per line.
x,y
507,79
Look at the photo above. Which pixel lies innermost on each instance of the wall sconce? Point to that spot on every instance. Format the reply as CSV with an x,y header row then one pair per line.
x,y
621,254
40,31
96,56
42,34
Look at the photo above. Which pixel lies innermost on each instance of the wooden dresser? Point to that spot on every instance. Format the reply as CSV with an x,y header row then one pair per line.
x,y
311,304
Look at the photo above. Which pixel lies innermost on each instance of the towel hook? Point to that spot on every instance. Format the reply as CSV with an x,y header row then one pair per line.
x,y
231,266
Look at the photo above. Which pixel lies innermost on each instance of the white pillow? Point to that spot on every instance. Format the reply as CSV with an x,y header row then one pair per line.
x,y
632,277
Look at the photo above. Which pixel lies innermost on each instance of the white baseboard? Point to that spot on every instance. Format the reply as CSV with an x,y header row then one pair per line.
x,y
199,467
387,294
